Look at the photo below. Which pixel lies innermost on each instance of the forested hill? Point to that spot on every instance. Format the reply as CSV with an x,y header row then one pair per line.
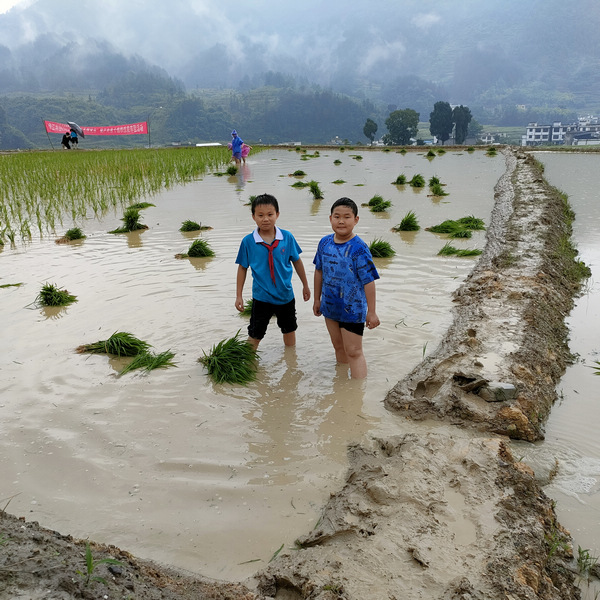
x,y
307,71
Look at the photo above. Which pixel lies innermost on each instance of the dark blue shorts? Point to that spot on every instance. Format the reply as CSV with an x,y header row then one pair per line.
x,y
262,313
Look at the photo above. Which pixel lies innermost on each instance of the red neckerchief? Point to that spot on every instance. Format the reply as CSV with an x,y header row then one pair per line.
x,y
270,248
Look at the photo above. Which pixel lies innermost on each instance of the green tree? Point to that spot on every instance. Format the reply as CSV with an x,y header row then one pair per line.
x,y
461,115
440,121
475,128
370,129
402,125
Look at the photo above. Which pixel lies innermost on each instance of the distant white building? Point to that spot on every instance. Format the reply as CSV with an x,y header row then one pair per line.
x,y
544,135
585,132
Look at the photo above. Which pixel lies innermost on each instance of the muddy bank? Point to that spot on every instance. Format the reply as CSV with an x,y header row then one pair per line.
x,y
449,515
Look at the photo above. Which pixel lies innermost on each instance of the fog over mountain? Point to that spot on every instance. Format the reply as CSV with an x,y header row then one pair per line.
x,y
461,50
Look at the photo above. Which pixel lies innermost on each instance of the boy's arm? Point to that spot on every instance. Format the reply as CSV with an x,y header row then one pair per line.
x,y
318,289
241,279
372,318
299,267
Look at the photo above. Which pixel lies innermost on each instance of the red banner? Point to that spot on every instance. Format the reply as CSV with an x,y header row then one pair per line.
x,y
131,129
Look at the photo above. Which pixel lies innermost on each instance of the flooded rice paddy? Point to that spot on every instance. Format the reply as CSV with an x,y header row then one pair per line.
x,y
214,479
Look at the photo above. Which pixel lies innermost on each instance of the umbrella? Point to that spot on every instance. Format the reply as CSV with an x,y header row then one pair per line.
x,y
76,128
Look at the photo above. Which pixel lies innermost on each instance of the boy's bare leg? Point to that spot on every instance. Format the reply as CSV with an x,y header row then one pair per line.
x,y
289,339
253,342
335,333
354,352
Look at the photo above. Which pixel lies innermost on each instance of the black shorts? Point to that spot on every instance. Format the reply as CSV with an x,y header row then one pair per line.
x,y
357,328
262,313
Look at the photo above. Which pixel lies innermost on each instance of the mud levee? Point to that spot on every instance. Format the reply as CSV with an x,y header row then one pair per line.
x,y
497,367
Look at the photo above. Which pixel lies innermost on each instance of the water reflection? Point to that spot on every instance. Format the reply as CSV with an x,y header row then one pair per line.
x,y
134,238
290,425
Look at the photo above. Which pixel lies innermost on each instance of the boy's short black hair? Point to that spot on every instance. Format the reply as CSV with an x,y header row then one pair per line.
x,y
345,202
265,199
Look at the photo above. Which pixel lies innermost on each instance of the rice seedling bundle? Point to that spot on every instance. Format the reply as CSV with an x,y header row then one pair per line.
x,y
51,295
200,248
408,223
472,223
400,180
438,190
431,154
300,184
378,204
449,250
190,226
298,173
150,361
315,190
417,181
231,361
120,343
381,249
433,180
247,311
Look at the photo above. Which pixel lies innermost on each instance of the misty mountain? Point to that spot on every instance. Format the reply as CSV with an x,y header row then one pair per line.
x,y
403,53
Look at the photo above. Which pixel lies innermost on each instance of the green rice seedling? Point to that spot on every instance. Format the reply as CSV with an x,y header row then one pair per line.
x,y
417,181
586,563
315,190
491,151
131,220
298,173
461,233
72,234
448,226
149,361
91,565
231,361
141,205
7,285
472,223
193,226
441,151
378,204
231,170
339,181
247,309
434,180
408,223
357,157
470,149
119,343
449,250
381,249
200,248
438,190
300,184
400,180
337,161
50,295
431,154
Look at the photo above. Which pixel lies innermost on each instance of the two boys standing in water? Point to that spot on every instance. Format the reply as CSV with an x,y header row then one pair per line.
x,y
344,282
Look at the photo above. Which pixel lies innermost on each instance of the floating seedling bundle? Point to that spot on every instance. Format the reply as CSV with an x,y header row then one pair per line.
x,y
231,361
51,295
124,344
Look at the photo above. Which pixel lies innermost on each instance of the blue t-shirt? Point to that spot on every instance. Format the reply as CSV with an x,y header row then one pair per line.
x,y
254,255
346,269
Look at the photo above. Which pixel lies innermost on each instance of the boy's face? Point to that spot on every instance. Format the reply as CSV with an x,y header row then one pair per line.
x,y
343,221
265,217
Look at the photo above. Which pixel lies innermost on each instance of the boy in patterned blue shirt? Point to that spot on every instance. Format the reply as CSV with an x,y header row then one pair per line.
x,y
345,287
270,253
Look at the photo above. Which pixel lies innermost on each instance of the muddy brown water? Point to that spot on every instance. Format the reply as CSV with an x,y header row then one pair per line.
x,y
572,442
215,479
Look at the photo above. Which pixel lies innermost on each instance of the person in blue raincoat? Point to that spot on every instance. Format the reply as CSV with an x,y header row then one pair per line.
x,y
236,147
74,139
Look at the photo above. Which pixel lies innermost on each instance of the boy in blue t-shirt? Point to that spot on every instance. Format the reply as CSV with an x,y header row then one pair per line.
x,y
270,252
345,287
